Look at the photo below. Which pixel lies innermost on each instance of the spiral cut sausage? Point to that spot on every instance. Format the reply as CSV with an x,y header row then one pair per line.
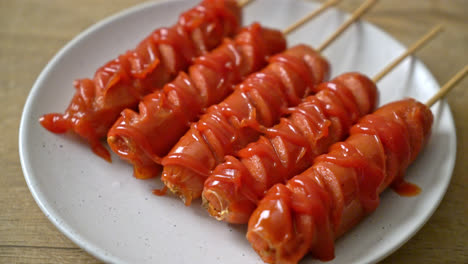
x,y
164,116
122,82
319,205
233,190
229,126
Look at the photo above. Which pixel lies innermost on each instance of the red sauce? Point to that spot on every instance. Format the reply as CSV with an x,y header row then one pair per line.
x,y
336,107
220,64
208,13
370,176
394,135
144,59
273,215
295,137
267,112
233,171
260,49
219,125
188,106
188,162
127,148
160,192
346,97
311,199
55,123
313,109
298,66
405,188
183,48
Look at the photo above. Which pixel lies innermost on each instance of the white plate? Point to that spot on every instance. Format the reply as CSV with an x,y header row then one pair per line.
x,y
113,216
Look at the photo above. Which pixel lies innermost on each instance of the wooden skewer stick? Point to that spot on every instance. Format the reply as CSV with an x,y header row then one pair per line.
x,y
448,86
244,3
355,16
310,16
417,45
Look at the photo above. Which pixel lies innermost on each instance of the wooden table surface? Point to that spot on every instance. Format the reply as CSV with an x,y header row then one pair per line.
x,y
32,31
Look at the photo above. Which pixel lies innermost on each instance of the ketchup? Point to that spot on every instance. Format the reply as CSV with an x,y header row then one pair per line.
x,y
405,188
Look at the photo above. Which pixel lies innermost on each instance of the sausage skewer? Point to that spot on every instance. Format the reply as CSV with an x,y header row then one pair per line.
x,y
232,191
229,126
319,205
156,60
164,116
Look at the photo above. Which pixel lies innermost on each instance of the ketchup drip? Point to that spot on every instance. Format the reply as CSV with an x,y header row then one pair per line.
x,y
405,188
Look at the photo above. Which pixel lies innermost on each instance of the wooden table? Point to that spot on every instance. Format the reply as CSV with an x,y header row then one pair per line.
x,y
32,31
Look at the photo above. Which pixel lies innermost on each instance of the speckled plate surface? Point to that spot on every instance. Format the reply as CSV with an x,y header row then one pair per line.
x,y
104,210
